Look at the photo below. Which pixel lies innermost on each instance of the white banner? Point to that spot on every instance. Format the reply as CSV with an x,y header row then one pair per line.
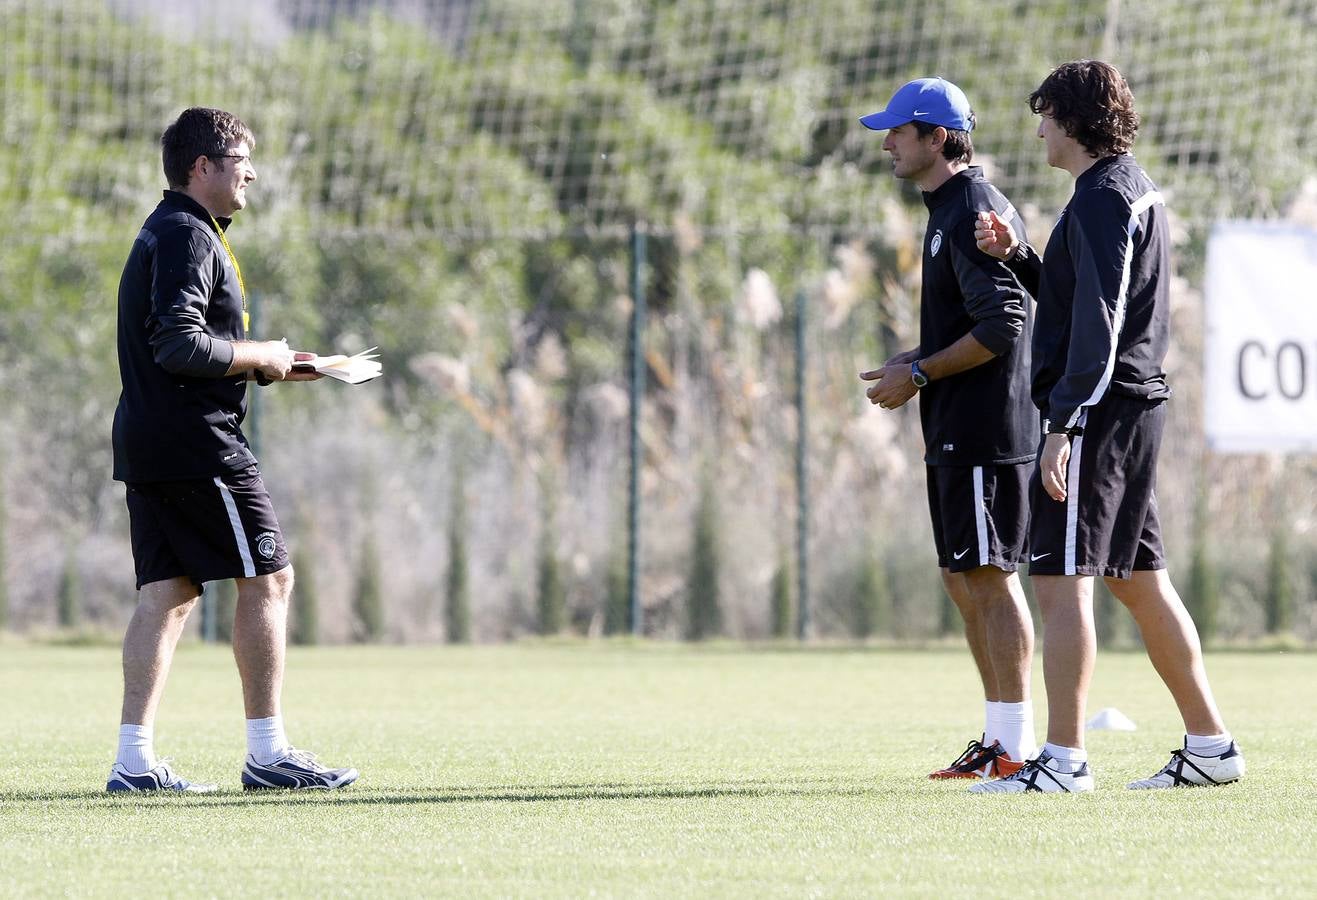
x,y
1260,354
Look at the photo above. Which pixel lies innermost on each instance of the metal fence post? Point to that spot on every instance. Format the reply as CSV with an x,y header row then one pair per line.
x,y
635,612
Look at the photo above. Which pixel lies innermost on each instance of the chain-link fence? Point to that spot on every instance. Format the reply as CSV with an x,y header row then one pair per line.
x,y
457,182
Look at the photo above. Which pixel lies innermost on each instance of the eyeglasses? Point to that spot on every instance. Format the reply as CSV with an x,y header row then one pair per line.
x,y
238,156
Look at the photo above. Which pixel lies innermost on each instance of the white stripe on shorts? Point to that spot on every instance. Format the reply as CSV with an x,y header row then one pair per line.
x,y
239,533
980,516
1072,505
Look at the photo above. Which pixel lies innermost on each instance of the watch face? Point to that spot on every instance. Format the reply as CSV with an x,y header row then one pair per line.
x,y
917,377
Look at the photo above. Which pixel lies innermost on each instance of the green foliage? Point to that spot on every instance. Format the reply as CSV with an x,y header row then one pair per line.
x,y
225,594
551,592
703,599
1108,614
779,598
873,599
68,610
1278,599
306,600
457,599
949,620
4,559
368,595
617,605
1204,600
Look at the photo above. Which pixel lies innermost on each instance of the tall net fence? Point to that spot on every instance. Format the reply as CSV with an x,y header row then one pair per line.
x,y
455,181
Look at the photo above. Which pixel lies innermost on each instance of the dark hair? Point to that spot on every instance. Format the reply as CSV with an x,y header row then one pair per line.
x,y
1093,103
958,147
199,132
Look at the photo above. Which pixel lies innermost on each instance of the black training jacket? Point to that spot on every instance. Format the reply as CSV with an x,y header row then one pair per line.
x,y
180,307
1103,295
981,416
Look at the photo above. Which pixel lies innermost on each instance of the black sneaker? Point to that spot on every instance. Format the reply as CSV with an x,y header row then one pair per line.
x,y
161,778
295,770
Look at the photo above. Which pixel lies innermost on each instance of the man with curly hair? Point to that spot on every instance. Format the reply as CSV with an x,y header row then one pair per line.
x,y
1099,341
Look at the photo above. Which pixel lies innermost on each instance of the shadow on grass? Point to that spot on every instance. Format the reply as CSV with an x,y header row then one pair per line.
x,y
550,793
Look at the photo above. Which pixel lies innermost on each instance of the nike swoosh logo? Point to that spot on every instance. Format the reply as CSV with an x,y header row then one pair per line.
x,y
920,112
960,554
1034,557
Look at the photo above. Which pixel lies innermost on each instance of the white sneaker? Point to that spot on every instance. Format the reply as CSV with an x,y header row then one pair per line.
x,y
1191,770
1041,775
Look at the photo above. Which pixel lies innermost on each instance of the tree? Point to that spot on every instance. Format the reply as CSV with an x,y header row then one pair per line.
x,y
1106,610
551,595
4,580
1279,597
1204,575
616,601
457,602
69,598
702,589
779,594
226,606
306,602
367,599
872,599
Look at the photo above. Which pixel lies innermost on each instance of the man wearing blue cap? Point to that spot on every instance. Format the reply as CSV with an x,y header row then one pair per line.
x,y
971,370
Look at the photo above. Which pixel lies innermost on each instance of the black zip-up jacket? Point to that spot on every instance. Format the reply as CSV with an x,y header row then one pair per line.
x,y
1103,295
981,416
180,307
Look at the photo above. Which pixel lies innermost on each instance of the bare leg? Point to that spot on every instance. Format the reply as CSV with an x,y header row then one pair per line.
x,y
1069,651
1007,629
975,630
260,626
148,645
1172,642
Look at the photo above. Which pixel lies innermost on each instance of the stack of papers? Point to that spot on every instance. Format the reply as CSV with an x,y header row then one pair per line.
x,y
353,369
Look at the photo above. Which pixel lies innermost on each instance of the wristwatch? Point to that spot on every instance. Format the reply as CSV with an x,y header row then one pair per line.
x,y
917,376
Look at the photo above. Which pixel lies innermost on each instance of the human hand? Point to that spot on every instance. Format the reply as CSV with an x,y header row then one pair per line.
x,y
892,387
276,360
1053,465
905,358
995,237
301,372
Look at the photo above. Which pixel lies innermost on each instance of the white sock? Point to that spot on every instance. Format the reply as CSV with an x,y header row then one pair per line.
x,y
1068,759
1208,744
266,740
1015,729
136,748
991,728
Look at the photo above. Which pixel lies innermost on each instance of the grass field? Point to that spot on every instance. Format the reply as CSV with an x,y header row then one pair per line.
x,y
655,770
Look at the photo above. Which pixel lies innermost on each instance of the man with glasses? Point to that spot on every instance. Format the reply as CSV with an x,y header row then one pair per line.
x,y
198,510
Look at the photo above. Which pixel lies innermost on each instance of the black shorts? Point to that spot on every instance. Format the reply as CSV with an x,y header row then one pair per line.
x,y
1108,523
980,515
207,530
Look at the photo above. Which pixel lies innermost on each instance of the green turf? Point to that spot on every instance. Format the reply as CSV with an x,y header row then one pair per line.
x,y
639,770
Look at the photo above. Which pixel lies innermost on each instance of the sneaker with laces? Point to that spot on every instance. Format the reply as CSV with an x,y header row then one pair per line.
x,y
295,770
161,778
979,761
1036,775
1191,770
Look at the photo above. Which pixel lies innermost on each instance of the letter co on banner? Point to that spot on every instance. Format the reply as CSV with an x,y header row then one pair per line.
x,y
1260,357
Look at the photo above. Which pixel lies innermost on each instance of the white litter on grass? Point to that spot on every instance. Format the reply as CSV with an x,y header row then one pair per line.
x,y
1111,719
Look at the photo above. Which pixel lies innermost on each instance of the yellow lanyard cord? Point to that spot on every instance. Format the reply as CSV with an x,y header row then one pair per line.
x,y
242,285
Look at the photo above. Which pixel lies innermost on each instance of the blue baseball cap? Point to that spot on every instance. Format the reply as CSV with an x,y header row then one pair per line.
x,y
932,100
